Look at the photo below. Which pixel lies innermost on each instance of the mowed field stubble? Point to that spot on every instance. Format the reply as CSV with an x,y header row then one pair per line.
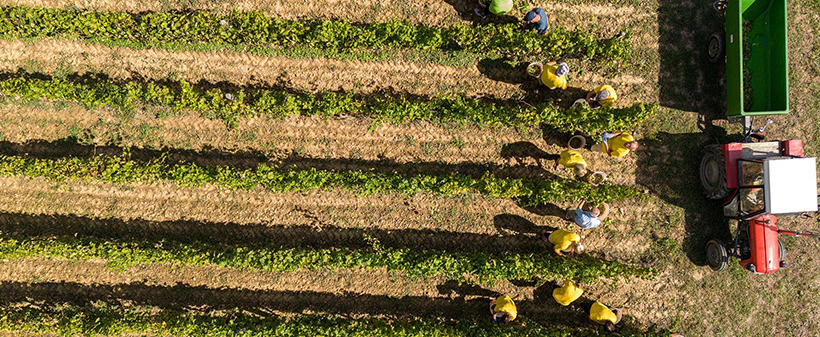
x,y
372,168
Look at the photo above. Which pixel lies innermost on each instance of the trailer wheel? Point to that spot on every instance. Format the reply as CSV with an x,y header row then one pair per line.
x,y
782,254
716,255
717,47
713,172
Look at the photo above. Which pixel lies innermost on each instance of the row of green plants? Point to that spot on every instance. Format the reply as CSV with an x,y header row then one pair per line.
x,y
413,263
255,29
123,169
228,105
116,320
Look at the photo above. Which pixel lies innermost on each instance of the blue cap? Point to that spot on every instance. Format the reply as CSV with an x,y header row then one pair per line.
x,y
530,16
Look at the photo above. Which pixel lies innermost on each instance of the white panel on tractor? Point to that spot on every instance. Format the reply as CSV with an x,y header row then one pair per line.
x,y
790,185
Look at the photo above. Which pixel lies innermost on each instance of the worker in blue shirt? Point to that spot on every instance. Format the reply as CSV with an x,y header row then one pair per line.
x,y
537,19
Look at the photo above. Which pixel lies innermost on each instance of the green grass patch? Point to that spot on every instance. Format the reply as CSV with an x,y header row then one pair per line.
x,y
228,105
255,30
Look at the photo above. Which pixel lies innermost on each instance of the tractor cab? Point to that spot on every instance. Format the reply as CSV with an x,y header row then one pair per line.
x,y
765,178
756,181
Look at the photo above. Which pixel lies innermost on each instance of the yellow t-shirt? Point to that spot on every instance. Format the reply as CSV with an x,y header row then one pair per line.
x,y
562,239
570,158
612,96
505,304
552,81
567,294
600,314
616,144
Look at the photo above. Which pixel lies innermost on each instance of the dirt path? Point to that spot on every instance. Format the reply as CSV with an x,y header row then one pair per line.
x,y
309,75
338,209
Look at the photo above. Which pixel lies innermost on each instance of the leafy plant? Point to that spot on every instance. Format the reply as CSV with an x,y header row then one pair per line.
x,y
414,263
97,90
121,170
117,319
255,29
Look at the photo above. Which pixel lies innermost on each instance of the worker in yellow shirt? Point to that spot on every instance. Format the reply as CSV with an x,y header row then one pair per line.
x,y
567,294
619,144
554,76
602,96
503,309
600,314
563,242
572,159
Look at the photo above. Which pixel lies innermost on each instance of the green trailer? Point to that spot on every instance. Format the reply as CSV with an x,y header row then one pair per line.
x,y
756,55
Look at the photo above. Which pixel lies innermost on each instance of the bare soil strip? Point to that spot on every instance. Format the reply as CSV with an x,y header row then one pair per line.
x,y
338,209
242,69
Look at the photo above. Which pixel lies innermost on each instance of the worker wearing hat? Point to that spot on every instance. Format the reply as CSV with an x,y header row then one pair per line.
x,y
536,19
572,159
567,294
602,96
503,309
563,242
496,7
554,75
619,144
601,314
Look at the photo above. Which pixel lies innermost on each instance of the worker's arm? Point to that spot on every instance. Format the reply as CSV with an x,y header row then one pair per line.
x,y
604,212
590,95
551,63
558,251
581,204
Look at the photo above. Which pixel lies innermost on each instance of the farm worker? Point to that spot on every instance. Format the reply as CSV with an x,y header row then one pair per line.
x,y
567,294
503,309
497,7
588,219
600,314
563,242
619,144
602,96
554,76
536,19
572,159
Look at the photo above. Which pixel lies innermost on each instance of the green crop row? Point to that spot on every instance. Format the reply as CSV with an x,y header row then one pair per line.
x,y
255,29
117,320
96,91
125,170
414,263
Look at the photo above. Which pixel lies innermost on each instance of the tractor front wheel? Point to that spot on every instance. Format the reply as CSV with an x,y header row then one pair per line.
x,y
716,255
713,172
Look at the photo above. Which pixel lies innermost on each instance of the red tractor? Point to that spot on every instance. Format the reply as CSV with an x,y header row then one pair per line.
x,y
755,182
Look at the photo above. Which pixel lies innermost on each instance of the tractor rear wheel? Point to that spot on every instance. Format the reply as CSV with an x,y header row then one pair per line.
x,y
713,172
716,49
716,255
